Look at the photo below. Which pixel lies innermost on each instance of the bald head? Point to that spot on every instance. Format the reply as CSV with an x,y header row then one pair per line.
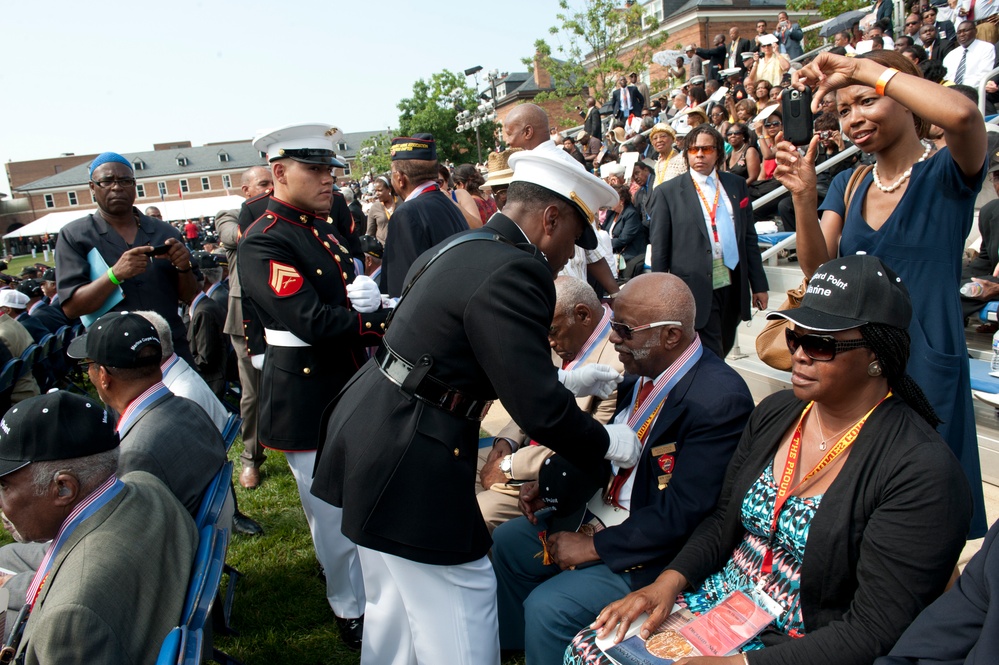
x,y
526,126
664,297
255,181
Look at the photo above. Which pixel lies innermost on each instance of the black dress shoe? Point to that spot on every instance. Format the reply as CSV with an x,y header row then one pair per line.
x,y
351,631
244,526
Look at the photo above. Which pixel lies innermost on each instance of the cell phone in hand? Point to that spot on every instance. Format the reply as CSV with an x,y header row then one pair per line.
x,y
796,109
159,250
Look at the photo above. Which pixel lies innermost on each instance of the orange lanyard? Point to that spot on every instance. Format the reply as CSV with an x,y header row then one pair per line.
x,y
784,489
712,209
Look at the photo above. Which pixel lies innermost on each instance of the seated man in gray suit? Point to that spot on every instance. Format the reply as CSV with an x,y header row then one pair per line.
x,y
93,600
168,436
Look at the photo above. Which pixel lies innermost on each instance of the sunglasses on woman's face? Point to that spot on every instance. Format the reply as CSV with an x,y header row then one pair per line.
x,y
772,123
820,347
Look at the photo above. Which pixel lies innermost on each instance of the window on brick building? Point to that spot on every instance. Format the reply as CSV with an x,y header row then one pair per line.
x,y
72,198
226,181
346,168
183,186
140,190
138,165
182,160
49,201
162,187
223,156
206,184
93,199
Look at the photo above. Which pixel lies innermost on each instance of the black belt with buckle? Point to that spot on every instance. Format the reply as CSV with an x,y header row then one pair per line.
x,y
415,380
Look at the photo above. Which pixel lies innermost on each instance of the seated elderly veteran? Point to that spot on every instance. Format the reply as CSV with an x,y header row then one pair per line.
x,y
961,626
842,504
168,436
114,576
117,240
14,304
689,409
579,336
183,381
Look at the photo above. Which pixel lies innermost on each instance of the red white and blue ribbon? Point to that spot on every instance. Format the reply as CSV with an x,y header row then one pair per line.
x,y
600,332
108,490
140,404
664,383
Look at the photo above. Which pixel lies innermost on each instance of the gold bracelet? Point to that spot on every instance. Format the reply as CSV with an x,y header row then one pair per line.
x,y
886,76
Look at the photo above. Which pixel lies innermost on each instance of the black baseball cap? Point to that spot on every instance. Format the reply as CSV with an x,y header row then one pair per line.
x,y
562,486
849,292
31,288
55,426
49,275
204,260
116,340
371,246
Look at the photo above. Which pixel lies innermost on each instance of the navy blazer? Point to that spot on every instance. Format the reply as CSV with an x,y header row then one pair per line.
x,y
961,626
703,416
629,237
637,102
680,242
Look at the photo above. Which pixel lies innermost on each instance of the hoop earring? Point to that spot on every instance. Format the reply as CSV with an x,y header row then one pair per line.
x,y
874,369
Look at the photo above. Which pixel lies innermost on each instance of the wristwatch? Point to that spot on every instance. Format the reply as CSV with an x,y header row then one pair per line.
x,y
506,466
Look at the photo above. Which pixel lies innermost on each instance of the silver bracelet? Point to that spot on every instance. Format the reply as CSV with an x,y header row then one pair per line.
x,y
745,659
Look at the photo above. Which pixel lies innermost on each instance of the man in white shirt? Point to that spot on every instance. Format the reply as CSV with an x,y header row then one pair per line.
x,y
971,59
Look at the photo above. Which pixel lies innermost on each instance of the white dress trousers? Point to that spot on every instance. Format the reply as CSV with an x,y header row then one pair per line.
x,y
336,553
421,614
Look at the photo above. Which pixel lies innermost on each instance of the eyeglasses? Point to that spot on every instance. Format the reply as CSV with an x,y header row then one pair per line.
x,y
624,331
701,150
820,347
773,123
125,183
733,133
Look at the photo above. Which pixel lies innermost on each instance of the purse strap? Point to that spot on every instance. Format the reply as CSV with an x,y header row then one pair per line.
x,y
856,178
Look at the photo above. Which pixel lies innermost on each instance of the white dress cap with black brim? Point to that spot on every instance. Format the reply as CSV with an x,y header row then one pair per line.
x,y
849,292
564,176
311,143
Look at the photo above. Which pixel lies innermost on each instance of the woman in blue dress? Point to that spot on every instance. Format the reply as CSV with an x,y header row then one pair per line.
x,y
913,210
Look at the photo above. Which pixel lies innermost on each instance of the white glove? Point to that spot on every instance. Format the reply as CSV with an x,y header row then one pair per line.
x,y
257,360
364,295
596,380
624,448
389,302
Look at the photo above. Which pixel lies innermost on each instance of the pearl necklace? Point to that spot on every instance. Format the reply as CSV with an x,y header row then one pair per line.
x,y
902,178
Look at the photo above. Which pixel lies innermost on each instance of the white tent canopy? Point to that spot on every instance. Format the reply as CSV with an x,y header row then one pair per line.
x,y
172,211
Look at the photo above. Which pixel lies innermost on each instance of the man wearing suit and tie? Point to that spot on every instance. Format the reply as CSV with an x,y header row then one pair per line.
x,y
689,409
704,234
737,46
626,100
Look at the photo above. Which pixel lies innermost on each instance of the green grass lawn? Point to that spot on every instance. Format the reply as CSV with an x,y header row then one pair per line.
x,y
280,609
15,265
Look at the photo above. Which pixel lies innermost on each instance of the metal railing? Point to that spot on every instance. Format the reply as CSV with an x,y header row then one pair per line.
x,y
981,89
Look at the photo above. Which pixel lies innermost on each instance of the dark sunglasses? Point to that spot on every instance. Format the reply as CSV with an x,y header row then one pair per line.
x,y
820,347
624,331
773,123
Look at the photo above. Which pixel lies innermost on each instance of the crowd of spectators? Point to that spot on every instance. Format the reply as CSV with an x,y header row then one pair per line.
x,y
648,213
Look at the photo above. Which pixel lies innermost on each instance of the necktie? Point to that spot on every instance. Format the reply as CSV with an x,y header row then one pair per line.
x,y
614,493
961,67
726,230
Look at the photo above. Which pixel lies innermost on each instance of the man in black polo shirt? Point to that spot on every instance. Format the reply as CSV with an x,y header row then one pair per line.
x,y
123,274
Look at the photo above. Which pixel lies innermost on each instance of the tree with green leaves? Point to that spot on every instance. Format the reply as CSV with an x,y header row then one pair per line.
x,y
374,155
594,42
433,107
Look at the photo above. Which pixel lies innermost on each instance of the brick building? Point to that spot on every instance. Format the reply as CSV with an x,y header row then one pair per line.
x,y
169,172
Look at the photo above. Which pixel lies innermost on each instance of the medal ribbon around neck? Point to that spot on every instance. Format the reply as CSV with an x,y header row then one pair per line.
x,y
600,332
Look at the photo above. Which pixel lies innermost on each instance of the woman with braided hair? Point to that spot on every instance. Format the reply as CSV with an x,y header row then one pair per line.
x,y
842,504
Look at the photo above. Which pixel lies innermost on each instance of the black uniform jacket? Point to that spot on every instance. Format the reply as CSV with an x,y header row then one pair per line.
x,y
293,269
416,226
403,470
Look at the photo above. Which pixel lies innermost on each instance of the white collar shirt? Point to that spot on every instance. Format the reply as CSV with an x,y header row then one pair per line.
x,y
980,61
701,181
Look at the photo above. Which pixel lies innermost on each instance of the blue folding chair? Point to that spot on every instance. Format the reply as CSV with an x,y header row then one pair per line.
x,y
231,430
181,646
10,373
214,498
205,577
29,357
173,646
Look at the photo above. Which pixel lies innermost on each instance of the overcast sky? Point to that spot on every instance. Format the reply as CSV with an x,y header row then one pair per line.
x,y
85,77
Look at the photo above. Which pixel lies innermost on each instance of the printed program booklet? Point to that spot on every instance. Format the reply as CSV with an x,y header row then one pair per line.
x,y
721,631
